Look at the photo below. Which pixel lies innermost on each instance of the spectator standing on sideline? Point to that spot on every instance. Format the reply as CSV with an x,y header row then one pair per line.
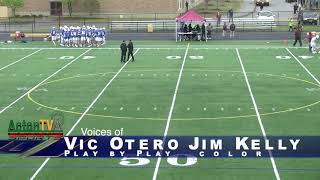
x,y
218,16
210,29
224,29
230,12
232,30
300,15
290,24
123,48
295,8
190,28
203,32
261,7
299,7
185,30
197,35
130,51
297,36
181,27
187,5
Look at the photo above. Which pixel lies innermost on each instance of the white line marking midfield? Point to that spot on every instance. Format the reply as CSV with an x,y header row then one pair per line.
x,y
274,166
156,170
84,113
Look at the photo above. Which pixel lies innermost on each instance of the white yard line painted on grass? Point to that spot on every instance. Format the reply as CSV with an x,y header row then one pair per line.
x,y
36,86
156,170
84,113
20,59
303,66
274,166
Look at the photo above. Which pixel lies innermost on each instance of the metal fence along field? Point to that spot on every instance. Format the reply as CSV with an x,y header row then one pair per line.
x,y
245,21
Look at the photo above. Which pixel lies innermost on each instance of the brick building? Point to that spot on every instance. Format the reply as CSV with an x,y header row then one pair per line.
x,y
55,7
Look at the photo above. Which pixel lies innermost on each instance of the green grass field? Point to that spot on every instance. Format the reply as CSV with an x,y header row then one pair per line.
x,y
212,99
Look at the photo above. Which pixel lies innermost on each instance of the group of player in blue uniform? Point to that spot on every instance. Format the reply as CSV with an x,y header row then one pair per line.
x,y
86,36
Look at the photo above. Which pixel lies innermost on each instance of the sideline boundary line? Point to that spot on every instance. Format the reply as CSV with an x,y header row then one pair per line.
x,y
85,112
156,170
36,86
8,65
274,166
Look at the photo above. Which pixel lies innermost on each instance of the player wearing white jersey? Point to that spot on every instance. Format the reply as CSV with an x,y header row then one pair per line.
x,y
83,36
89,36
313,44
66,36
53,35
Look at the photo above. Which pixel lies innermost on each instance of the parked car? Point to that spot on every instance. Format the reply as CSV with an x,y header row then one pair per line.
x,y
310,17
263,2
265,15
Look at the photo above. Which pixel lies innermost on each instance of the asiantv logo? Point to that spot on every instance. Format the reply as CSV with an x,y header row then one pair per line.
x,y
37,129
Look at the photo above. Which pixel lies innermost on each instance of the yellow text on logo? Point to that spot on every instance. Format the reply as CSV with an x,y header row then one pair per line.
x,y
47,122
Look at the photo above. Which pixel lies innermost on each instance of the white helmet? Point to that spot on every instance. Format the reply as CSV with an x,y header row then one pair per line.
x,y
317,36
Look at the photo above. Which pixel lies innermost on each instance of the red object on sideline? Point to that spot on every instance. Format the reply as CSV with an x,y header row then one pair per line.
x,y
190,16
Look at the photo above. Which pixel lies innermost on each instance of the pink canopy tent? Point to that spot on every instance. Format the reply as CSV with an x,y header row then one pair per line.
x,y
190,16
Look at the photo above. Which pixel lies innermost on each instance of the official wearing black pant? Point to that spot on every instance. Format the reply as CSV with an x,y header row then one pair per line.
x,y
130,51
123,48
203,32
297,36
